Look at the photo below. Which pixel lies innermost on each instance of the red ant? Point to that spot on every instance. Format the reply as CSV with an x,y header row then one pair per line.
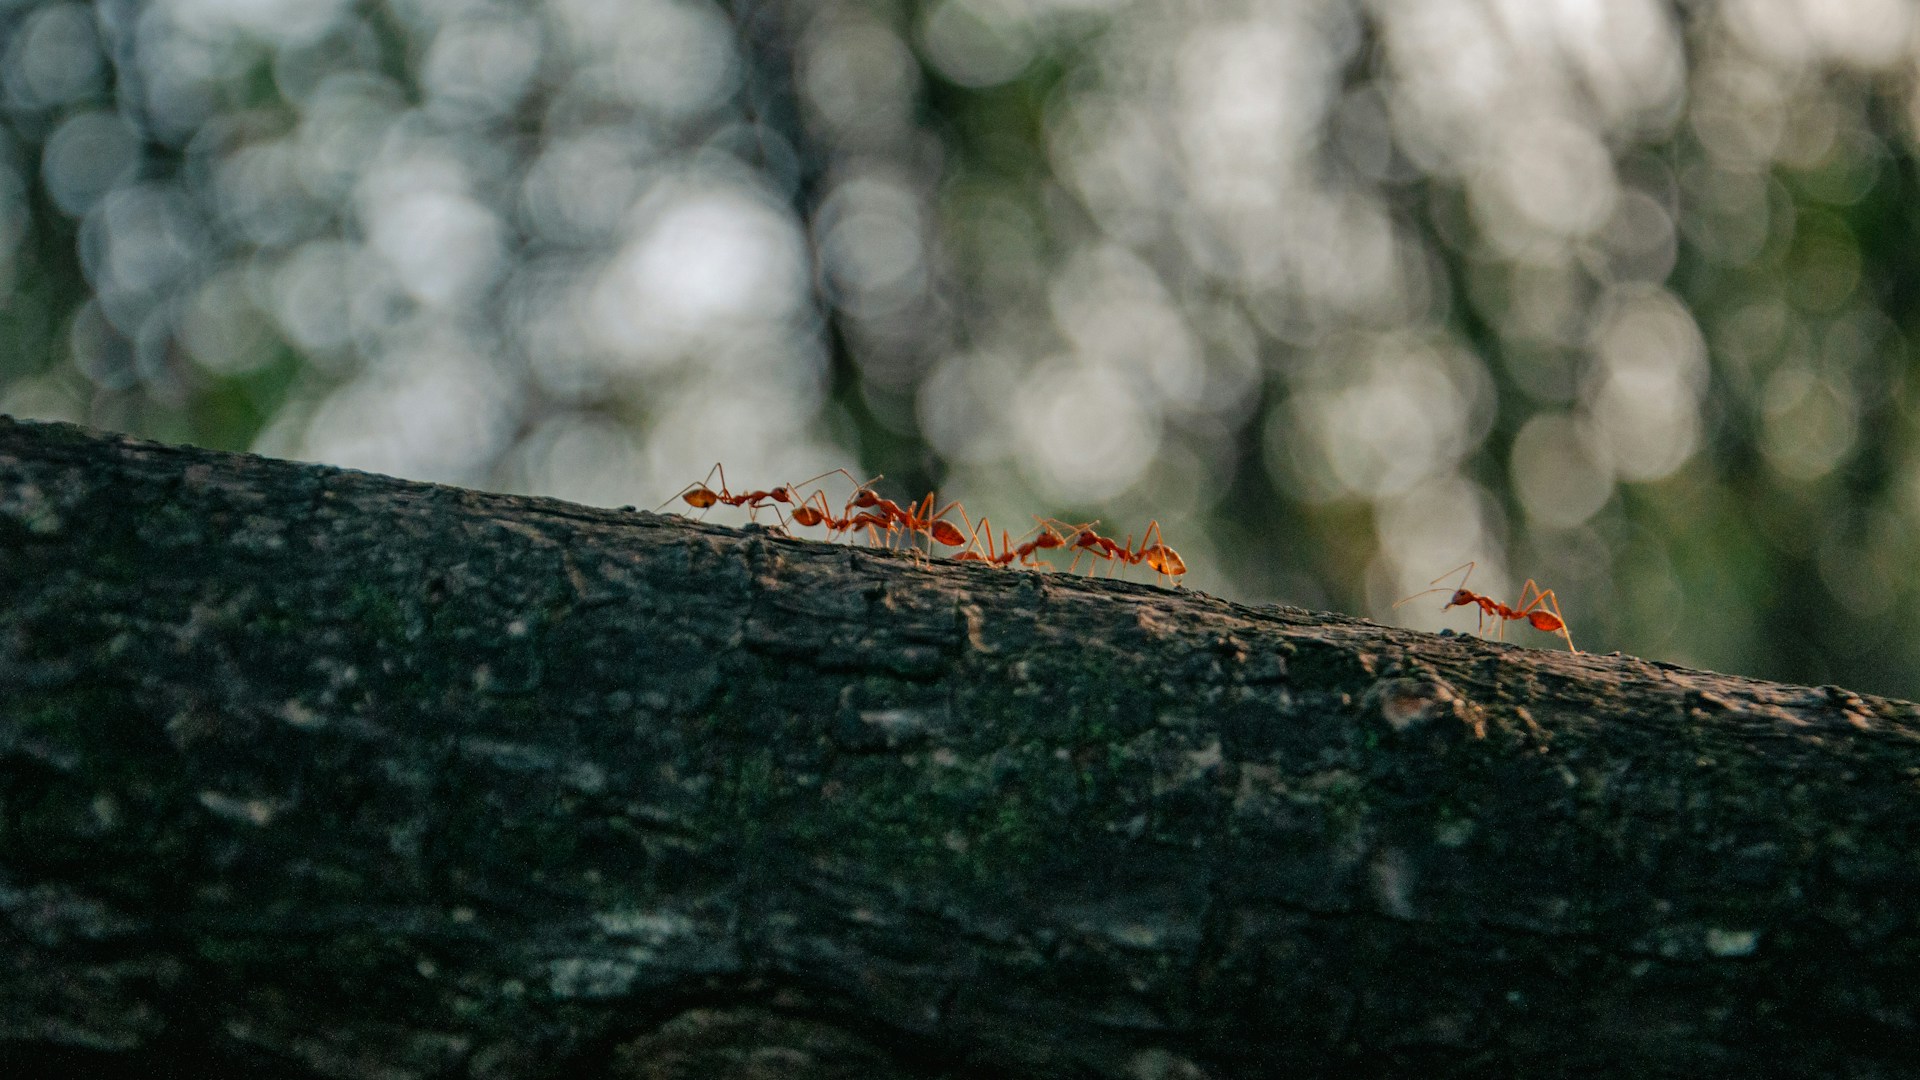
x,y
1088,542
1533,610
921,519
988,557
805,514
1048,538
878,514
702,496
808,514
933,524
1163,559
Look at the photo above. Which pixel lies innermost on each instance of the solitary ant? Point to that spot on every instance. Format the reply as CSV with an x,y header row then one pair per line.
x,y
1534,610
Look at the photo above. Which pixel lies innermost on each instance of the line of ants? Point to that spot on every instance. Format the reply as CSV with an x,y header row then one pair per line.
x,y
885,522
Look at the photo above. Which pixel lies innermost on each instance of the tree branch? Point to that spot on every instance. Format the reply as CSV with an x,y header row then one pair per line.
x,y
322,773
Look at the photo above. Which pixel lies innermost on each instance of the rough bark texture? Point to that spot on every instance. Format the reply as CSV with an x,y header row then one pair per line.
x,y
307,772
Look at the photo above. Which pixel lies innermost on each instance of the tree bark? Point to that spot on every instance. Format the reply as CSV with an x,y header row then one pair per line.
x,y
309,772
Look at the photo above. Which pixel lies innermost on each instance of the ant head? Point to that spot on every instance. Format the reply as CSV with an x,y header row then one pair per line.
x,y
1461,598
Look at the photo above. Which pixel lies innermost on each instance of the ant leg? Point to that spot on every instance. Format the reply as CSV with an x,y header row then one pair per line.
x,y
1139,555
1554,602
809,480
882,512
789,494
1529,595
837,527
986,552
1085,543
1119,557
932,524
757,501
1537,612
1092,545
825,514
967,552
1025,548
1052,536
813,510
1164,560
1528,604
976,551
1073,534
1089,553
919,523
943,531
695,494
1126,558
994,558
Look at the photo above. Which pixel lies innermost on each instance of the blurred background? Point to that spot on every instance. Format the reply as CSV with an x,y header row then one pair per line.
x,y
1613,294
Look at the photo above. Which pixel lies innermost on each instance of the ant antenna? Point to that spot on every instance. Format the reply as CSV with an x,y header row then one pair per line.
x,y
1467,566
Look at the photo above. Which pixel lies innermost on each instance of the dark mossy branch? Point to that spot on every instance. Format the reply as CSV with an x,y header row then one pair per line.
x,y
311,772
